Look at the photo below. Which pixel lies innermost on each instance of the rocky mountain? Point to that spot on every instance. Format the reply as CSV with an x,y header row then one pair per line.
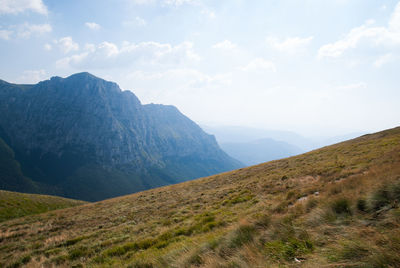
x,y
84,138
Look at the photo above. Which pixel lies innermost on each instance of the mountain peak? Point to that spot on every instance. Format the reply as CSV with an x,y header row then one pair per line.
x,y
85,138
83,75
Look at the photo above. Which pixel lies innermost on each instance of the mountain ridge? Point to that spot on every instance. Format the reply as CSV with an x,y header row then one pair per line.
x,y
65,129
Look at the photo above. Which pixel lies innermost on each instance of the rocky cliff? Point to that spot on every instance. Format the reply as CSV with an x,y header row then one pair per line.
x,y
82,137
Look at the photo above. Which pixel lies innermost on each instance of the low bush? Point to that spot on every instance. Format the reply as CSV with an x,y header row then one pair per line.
x,y
244,234
341,206
77,253
385,195
288,250
362,205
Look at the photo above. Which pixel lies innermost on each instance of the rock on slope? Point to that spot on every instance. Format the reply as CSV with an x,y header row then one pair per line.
x,y
82,137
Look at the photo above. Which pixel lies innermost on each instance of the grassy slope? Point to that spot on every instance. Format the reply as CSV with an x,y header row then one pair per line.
x,y
15,205
333,207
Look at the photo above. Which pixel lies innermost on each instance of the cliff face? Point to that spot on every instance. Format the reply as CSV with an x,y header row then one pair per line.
x,y
84,138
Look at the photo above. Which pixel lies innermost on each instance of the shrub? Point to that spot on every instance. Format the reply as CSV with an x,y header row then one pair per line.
x,y
341,206
288,250
141,265
351,250
362,205
290,195
195,259
73,241
264,221
243,235
20,262
311,203
380,198
385,195
76,253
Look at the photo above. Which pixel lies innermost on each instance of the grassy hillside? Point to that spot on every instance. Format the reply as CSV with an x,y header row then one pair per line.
x,y
334,207
15,205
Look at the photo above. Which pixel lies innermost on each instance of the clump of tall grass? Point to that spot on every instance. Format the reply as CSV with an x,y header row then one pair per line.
x,y
387,194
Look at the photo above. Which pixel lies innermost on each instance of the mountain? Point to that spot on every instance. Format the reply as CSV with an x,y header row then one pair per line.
x,y
260,151
239,134
337,206
252,146
82,137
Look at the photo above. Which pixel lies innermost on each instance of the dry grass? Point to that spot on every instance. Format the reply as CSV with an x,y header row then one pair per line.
x,y
303,210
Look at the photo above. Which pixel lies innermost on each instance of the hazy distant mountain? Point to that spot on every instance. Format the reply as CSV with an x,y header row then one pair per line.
x,y
236,134
82,137
260,151
253,146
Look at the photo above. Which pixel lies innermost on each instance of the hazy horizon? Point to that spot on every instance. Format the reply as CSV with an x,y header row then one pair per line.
x,y
316,68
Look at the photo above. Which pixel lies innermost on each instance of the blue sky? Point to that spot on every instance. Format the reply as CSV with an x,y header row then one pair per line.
x,y
317,67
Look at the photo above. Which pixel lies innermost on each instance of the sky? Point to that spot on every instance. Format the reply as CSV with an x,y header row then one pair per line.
x,y
316,67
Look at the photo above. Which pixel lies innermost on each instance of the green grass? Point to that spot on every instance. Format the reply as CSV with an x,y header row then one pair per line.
x,y
15,205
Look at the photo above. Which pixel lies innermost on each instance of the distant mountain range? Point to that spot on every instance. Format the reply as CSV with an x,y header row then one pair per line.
x,y
254,146
260,151
82,137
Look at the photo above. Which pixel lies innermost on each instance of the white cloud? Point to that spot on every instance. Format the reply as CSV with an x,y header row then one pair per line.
x,y
67,45
179,2
89,47
394,23
382,60
92,25
137,21
140,22
32,76
5,34
142,2
352,86
289,45
19,6
26,30
182,78
367,35
259,65
226,45
48,47
165,2
209,13
107,54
